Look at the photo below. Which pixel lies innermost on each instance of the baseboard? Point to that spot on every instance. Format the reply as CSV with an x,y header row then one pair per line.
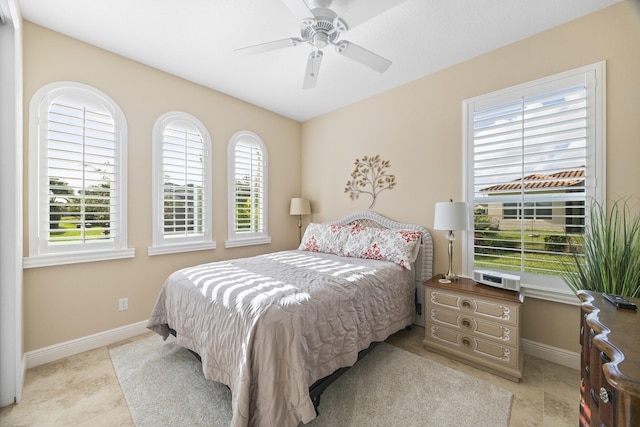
x,y
60,351
69,348
557,355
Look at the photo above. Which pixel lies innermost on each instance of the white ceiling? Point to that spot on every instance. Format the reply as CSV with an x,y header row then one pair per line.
x,y
195,40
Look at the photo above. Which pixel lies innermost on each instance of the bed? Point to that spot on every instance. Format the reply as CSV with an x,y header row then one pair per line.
x,y
275,327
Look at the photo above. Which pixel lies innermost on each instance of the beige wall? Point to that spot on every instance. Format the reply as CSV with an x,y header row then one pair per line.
x,y
418,127
67,302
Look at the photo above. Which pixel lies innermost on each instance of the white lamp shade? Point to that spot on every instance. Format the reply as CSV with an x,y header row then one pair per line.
x,y
299,206
451,216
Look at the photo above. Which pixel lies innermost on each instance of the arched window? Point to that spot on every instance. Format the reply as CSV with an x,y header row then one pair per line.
x,y
248,174
181,185
77,176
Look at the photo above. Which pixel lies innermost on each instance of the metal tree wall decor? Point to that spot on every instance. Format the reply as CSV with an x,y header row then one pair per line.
x,y
370,172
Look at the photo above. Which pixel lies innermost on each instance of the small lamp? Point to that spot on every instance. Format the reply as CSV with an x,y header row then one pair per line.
x,y
299,207
451,216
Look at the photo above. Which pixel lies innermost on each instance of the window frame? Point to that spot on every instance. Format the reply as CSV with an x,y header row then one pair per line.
x,y
552,288
42,254
234,238
531,210
162,245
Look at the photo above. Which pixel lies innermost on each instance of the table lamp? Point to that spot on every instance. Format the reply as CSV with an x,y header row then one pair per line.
x,y
451,216
299,207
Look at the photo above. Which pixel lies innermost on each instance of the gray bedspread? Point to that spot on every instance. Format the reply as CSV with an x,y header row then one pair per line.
x,y
270,326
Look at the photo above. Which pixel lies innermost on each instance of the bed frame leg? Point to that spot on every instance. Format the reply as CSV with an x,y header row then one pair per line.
x,y
316,402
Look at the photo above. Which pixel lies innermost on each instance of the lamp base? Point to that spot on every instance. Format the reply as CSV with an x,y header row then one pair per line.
x,y
450,276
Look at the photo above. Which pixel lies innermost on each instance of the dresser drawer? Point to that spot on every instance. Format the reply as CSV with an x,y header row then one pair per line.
x,y
466,324
495,310
471,347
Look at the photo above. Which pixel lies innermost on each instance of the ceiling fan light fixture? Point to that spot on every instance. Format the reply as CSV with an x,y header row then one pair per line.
x,y
320,40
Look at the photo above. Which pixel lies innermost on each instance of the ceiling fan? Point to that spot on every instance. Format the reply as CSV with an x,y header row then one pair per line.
x,y
321,26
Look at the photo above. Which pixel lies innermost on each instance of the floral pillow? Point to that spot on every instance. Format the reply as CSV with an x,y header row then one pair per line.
x,y
326,238
399,246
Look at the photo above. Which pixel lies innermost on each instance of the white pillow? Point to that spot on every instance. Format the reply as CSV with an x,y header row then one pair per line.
x,y
326,238
399,246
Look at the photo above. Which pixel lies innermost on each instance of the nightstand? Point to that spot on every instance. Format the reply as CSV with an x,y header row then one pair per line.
x,y
475,324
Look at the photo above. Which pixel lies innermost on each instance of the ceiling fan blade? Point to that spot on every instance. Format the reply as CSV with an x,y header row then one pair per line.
x,y
313,68
299,9
363,56
363,11
266,47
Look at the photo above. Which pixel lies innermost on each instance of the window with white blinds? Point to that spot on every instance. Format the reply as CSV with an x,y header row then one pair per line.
x,y
247,190
182,185
77,181
535,160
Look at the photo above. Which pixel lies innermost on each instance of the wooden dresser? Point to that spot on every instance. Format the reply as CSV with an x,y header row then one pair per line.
x,y
610,363
475,324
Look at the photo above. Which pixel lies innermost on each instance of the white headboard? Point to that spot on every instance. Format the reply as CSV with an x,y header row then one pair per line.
x,y
424,262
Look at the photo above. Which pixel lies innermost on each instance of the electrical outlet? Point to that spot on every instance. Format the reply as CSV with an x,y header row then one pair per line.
x,y
123,304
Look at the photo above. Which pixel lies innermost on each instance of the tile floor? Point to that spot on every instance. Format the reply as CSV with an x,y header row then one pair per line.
x,y
82,390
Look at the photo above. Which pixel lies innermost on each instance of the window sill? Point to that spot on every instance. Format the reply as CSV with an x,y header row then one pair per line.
x,y
546,288
76,257
178,248
532,291
249,241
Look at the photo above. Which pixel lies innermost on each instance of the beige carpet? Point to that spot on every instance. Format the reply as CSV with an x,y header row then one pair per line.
x,y
164,386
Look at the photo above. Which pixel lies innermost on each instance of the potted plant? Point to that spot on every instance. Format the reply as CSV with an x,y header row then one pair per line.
x,y
609,260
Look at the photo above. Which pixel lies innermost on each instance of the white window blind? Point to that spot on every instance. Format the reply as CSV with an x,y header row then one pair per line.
x,y
248,190
533,163
183,172
182,185
77,177
81,154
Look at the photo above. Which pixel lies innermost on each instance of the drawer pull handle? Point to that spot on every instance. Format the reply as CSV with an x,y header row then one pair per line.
x,y
466,342
466,323
466,303
604,395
